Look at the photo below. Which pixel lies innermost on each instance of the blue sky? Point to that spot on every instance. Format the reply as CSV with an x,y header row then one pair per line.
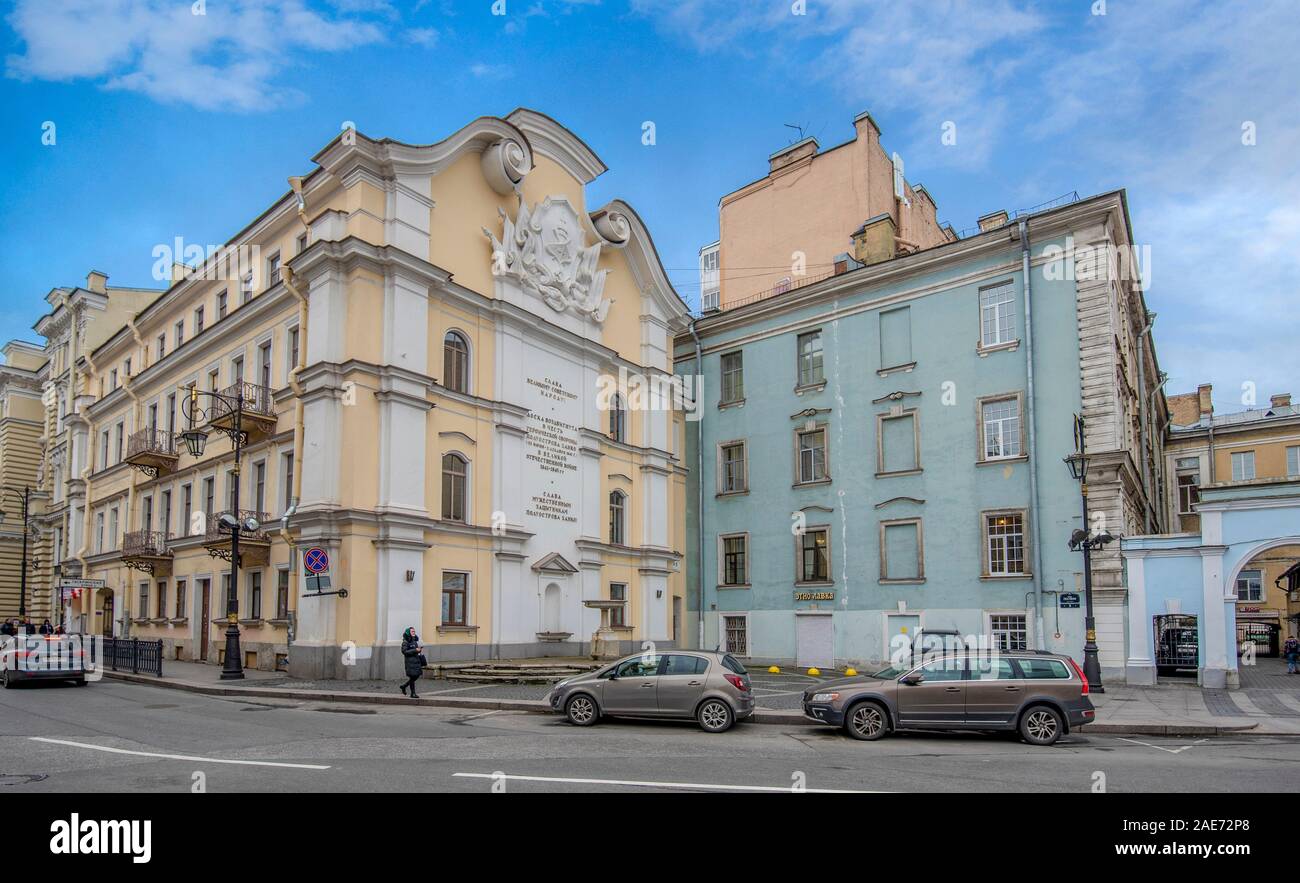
x,y
175,124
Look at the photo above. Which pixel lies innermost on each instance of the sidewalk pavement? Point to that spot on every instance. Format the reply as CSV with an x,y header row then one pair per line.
x,y
1267,704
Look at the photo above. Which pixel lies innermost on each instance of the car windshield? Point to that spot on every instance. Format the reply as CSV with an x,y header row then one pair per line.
x,y
732,663
887,673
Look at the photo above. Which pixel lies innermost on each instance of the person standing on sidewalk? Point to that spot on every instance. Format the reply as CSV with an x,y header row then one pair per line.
x,y
413,651
1291,650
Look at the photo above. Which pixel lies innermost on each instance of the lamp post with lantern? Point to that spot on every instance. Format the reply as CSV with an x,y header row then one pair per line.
x,y
1084,539
223,405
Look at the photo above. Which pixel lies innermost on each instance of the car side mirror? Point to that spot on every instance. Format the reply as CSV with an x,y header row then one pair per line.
x,y
913,679
613,675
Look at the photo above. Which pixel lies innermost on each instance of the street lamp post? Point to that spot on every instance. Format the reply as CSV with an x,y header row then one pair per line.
x,y
22,579
195,439
1084,539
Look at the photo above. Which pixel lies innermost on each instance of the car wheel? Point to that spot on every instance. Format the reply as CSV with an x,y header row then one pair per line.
x,y
866,721
715,716
80,682
1041,725
4,674
581,710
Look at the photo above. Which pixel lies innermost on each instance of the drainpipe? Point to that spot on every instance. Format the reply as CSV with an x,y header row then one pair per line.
x,y
1142,416
295,492
699,482
1035,520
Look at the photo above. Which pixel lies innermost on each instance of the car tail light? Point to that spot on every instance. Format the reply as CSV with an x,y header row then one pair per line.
x,y
738,682
1079,672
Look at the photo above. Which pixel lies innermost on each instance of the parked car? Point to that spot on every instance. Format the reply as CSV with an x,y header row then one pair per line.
x,y
1042,695
42,658
710,687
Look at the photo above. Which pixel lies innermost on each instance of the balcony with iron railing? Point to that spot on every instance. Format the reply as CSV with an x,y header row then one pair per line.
x,y
152,451
254,546
258,408
147,551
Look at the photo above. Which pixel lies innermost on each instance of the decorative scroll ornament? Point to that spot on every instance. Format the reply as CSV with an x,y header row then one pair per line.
x,y
504,165
544,250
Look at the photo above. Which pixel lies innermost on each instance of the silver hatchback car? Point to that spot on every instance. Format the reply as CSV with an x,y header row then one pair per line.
x,y
711,687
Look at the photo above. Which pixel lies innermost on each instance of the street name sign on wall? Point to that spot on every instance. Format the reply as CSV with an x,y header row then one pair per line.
x,y
69,583
1069,600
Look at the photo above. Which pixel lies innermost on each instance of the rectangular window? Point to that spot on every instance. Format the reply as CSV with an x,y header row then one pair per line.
x,y
1009,632
209,496
223,303
1189,494
1000,419
231,484
899,448
735,560
99,532
112,527
264,364
181,609
1250,585
293,347
733,378
812,456
455,586
1243,465
180,333
732,470
814,556
1004,543
119,433
259,486
997,314
1293,461
896,338
162,599
737,634
237,369
103,449
165,523
198,321
618,615
302,243
187,509
900,550
282,594
288,480
273,270
810,359
143,609
255,594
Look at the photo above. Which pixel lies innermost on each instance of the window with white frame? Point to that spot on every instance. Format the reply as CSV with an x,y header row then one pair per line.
x,y
1250,585
1000,422
617,518
618,615
1004,544
1189,493
1243,465
811,456
1293,460
732,473
733,377
455,597
454,471
997,314
736,633
814,556
902,557
810,359
1009,631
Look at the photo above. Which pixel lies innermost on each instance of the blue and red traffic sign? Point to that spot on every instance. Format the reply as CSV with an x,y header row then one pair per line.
x,y
316,560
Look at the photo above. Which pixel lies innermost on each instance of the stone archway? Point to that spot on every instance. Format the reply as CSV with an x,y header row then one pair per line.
x,y
1262,620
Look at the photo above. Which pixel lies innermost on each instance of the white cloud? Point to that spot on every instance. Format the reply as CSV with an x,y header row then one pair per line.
x,y
485,71
225,59
422,36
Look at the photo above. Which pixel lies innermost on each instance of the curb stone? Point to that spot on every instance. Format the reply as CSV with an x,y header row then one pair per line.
x,y
537,706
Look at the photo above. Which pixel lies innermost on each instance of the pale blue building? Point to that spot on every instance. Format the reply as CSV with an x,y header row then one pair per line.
x,y
881,452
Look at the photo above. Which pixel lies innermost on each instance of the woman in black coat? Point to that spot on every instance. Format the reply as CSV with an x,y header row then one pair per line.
x,y
414,654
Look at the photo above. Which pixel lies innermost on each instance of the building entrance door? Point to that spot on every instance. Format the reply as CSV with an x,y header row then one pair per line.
x,y
205,601
107,625
814,640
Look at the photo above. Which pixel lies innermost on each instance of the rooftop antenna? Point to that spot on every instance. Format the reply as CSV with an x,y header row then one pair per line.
x,y
799,129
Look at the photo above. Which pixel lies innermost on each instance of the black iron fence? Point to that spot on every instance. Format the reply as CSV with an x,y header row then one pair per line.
x,y
133,655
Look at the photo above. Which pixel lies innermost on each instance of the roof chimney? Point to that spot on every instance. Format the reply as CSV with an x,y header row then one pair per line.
x,y
1203,398
179,272
993,220
801,149
873,242
97,282
1281,400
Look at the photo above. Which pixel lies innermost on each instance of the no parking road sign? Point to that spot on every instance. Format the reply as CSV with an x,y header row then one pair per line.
x,y
316,560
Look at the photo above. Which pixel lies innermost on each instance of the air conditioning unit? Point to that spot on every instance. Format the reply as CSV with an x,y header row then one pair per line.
x,y
708,301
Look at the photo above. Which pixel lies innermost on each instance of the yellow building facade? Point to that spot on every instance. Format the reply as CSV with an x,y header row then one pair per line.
x,y
21,428
425,338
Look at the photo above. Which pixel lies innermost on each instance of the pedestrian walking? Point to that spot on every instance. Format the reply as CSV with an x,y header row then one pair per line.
x,y
413,651
1291,650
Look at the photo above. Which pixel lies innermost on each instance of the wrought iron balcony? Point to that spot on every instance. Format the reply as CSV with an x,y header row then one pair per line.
x,y
152,451
259,415
254,546
146,551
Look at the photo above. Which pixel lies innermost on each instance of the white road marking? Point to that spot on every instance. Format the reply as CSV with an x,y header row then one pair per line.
x,y
634,783
296,766
1160,748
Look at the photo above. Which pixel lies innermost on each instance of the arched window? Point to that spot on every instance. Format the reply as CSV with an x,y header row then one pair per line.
x,y
617,508
455,362
617,419
454,470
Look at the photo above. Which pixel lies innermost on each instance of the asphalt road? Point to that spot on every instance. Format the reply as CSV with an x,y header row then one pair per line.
x,y
52,738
